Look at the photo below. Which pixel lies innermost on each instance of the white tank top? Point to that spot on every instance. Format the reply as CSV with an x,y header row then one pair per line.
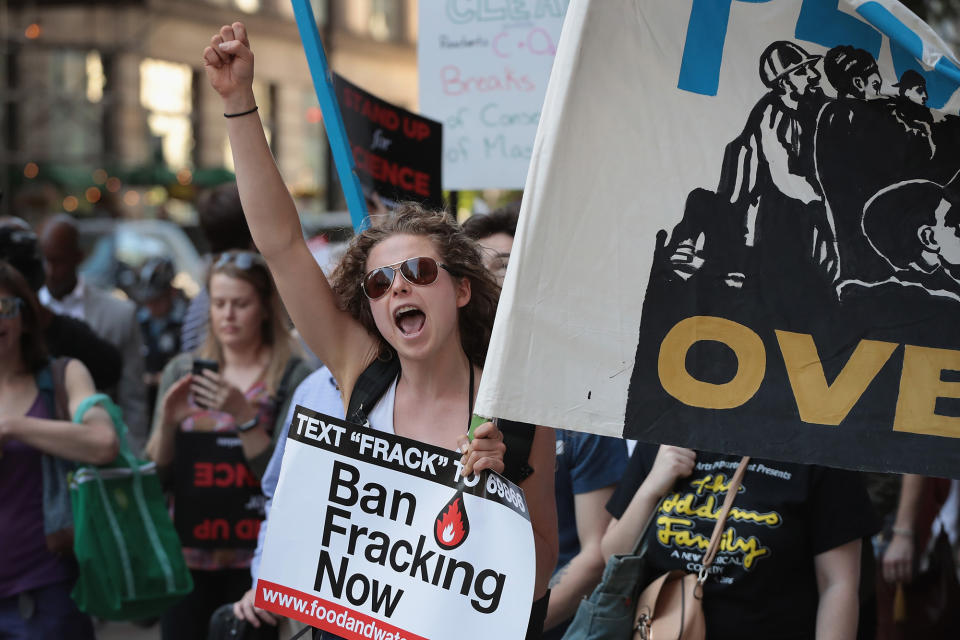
x,y
381,417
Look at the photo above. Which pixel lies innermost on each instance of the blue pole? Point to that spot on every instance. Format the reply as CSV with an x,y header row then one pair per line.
x,y
332,120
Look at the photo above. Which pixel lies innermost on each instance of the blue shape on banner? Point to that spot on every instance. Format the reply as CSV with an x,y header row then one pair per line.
x,y
906,48
703,49
822,22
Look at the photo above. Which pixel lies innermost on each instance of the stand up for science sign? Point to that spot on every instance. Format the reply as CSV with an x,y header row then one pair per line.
x,y
397,153
483,71
376,536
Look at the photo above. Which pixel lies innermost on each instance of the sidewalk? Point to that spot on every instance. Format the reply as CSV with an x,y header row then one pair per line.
x,y
126,631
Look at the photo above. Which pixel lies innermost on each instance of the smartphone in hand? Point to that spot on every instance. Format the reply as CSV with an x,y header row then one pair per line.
x,y
199,365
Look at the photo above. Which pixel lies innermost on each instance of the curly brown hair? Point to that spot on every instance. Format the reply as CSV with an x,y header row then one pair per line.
x,y
457,251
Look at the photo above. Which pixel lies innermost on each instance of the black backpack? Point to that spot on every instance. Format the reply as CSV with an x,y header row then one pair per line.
x,y
376,380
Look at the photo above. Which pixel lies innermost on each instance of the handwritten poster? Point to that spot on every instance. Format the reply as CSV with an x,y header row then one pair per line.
x,y
483,69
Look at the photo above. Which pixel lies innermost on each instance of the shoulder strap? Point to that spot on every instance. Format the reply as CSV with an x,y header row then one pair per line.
x,y
370,387
732,490
518,438
52,384
44,381
283,389
61,403
380,374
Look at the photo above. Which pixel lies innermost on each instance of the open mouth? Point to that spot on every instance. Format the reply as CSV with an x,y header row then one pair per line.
x,y
409,319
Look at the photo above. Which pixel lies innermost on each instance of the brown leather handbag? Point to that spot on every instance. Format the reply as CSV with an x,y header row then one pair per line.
x,y
671,607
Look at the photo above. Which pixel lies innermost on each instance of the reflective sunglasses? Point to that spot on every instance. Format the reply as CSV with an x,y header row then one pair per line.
x,y
243,260
419,271
10,307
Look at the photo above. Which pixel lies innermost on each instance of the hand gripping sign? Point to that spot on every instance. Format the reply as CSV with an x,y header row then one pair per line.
x,y
372,535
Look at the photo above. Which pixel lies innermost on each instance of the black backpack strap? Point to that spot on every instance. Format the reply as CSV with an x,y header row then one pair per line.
x,y
518,438
51,383
370,387
283,389
380,374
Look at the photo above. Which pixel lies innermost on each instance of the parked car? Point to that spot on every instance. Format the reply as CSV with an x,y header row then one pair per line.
x,y
117,249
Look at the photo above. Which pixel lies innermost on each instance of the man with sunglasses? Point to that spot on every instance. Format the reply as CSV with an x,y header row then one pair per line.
x,y
112,318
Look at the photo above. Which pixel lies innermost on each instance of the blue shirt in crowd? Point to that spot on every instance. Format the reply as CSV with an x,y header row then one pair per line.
x,y
318,392
585,463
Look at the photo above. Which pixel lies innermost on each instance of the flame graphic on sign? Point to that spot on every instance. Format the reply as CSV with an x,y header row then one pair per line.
x,y
452,525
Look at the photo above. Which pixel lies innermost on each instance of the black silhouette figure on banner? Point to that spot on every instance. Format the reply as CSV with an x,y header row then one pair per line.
x,y
913,87
786,220
854,149
866,142
767,224
915,227
910,110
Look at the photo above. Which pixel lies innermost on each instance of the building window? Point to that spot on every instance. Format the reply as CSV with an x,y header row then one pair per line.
x,y
380,20
166,94
249,6
386,20
285,8
75,116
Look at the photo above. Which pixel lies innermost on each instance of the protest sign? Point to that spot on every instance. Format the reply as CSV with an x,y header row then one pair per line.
x,y
397,153
377,536
218,499
740,234
483,69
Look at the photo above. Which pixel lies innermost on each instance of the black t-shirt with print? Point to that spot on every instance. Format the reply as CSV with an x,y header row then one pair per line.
x,y
762,583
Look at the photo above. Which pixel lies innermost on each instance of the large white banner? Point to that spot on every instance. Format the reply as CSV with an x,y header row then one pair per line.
x,y
740,233
376,536
483,70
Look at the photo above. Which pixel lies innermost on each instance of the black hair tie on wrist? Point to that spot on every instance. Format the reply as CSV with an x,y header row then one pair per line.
x,y
242,113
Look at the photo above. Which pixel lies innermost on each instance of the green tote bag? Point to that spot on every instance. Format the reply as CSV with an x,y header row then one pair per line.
x,y
130,560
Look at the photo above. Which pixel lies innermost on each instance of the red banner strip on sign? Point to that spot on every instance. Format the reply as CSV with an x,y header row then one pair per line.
x,y
326,615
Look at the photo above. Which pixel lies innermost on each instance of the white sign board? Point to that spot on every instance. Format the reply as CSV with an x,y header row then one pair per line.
x,y
376,536
483,71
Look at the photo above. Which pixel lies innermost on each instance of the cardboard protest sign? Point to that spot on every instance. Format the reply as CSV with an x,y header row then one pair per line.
x,y
751,243
377,536
397,152
483,70
218,499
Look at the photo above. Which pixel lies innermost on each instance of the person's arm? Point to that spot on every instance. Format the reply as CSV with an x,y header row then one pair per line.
x,y
172,407
332,334
778,161
542,505
671,463
898,557
579,576
838,581
93,442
